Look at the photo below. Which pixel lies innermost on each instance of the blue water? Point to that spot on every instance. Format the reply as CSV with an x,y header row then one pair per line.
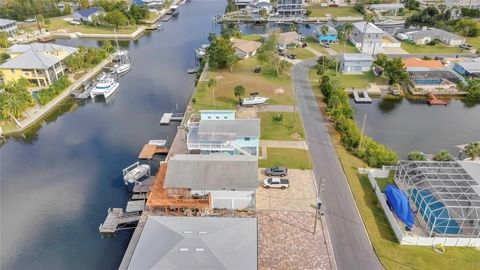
x,y
59,179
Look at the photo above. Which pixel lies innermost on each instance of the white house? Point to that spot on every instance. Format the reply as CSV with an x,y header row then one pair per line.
x,y
356,62
87,14
369,35
426,35
231,181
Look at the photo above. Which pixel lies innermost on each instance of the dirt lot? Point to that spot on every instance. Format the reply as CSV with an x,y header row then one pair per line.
x,y
300,196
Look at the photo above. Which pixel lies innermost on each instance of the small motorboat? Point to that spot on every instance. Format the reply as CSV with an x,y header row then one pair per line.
x,y
174,10
139,171
255,100
105,86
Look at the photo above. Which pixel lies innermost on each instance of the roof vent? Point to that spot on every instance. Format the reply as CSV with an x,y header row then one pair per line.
x,y
187,232
183,249
199,249
202,232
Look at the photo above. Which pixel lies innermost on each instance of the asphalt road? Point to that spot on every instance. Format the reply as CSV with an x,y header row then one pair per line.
x,y
351,245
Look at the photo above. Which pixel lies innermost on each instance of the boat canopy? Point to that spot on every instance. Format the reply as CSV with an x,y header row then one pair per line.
x,y
399,204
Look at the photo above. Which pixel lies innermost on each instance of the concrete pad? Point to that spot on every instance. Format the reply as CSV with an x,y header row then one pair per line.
x,y
300,196
394,51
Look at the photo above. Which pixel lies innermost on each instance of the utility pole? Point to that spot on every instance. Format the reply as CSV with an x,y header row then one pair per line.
x,y
363,130
318,206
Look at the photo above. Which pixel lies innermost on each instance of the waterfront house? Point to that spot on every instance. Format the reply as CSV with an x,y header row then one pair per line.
x,y
356,63
229,181
241,4
257,5
468,68
8,26
330,37
219,131
290,8
369,35
430,75
289,39
474,4
426,35
245,48
391,25
178,243
87,14
380,8
40,63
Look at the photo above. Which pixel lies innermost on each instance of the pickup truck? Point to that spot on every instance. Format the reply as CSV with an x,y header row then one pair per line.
x,y
275,182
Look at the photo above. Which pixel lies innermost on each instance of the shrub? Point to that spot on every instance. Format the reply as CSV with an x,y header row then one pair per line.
x,y
442,155
416,155
49,93
278,117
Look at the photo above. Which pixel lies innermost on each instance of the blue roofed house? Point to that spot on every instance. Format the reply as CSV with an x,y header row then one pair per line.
x,y
469,68
87,14
331,36
219,131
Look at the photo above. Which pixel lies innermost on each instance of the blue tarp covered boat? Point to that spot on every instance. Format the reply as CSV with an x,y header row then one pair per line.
x,y
398,202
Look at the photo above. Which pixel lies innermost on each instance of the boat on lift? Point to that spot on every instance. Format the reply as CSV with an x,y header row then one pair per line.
x,y
105,86
202,51
135,174
254,100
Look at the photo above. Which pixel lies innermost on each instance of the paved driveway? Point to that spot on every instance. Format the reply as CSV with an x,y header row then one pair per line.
x,y
350,241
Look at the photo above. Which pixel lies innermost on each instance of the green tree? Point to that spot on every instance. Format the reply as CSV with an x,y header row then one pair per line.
x,y
381,60
137,13
416,155
67,9
267,54
116,18
395,71
412,4
108,46
239,92
442,155
15,99
473,89
221,53
4,57
4,43
212,83
84,3
308,12
473,150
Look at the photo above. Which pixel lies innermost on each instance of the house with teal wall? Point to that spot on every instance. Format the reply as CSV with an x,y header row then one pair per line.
x,y
330,37
219,131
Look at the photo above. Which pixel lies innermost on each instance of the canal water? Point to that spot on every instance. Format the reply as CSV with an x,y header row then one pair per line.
x,y
406,125
59,179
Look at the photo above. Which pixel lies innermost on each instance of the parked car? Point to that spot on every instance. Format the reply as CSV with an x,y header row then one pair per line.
x,y
276,182
325,45
466,46
291,56
276,171
304,45
257,69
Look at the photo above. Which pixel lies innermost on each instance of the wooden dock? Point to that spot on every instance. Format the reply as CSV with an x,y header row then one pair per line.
x,y
149,150
117,220
168,117
135,206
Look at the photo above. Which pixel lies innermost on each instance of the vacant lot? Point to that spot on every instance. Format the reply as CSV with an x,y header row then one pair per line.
x,y
279,90
335,11
358,80
286,157
59,24
289,128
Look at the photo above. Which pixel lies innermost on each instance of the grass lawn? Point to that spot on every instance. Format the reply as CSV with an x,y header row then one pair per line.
x,y
57,24
279,90
474,41
290,128
252,37
384,182
315,45
335,11
349,48
301,53
391,254
438,48
357,80
286,157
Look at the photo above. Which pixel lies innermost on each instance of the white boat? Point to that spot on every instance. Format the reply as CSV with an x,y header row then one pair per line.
x,y
122,55
105,86
256,100
174,10
200,52
133,173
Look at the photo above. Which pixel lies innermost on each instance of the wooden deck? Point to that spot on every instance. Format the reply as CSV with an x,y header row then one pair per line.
x,y
115,220
178,198
149,150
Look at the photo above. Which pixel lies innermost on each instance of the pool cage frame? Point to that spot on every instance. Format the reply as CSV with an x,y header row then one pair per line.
x,y
447,183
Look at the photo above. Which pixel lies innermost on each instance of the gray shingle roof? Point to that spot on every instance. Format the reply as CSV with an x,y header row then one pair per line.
x,y
5,21
331,29
35,55
471,66
212,172
239,127
87,11
371,28
432,32
357,57
196,243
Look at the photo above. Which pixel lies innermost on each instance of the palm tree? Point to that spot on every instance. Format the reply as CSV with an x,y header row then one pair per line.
x,y
442,155
239,92
473,150
343,37
211,84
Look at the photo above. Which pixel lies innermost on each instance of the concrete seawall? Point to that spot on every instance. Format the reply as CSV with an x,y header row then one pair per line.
x,y
136,34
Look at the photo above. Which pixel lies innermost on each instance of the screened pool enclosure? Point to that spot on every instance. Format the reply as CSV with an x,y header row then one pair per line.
x,y
445,194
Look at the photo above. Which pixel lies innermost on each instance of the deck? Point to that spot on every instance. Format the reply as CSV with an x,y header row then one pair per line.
x,y
178,198
116,220
361,97
149,150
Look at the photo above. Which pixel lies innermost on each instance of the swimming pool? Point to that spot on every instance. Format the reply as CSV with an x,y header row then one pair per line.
x,y
434,212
